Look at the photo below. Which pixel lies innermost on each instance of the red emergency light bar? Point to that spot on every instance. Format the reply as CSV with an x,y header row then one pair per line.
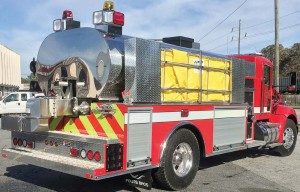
x,y
118,18
67,14
66,22
108,18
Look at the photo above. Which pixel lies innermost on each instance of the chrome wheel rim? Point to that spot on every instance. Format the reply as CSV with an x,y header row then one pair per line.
x,y
182,159
288,138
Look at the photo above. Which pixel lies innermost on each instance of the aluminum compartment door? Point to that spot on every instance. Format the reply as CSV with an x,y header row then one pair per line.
x,y
139,137
229,125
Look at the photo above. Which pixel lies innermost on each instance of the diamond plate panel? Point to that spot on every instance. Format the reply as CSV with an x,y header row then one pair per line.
x,y
64,143
142,71
250,68
238,81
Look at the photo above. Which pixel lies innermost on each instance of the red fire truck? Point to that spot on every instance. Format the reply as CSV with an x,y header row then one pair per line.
x,y
118,105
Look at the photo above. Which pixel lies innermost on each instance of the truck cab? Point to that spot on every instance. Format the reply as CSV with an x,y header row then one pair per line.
x,y
16,102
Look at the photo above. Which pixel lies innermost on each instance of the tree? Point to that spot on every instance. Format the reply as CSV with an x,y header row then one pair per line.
x,y
294,58
29,78
284,62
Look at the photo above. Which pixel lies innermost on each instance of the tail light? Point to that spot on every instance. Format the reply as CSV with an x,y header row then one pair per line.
x,y
20,142
74,152
24,143
90,155
97,156
15,141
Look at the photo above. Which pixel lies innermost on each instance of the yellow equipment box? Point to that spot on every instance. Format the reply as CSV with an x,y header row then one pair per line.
x,y
191,78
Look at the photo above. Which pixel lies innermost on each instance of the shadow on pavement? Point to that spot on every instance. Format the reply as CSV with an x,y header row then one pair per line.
x,y
61,182
229,157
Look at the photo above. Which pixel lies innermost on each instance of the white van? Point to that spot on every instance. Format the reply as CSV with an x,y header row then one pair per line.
x,y
16,102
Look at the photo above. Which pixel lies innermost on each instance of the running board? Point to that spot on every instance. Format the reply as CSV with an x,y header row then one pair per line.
x,y
248,145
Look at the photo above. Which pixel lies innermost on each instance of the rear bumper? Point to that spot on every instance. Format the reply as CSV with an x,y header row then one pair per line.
x,y
80,168
55,162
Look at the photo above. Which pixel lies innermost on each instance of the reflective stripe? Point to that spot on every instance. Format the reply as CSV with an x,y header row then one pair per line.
x,y
257,110
104,124
88,126
70,127
110,128
220,114
54,123
119,117
175,116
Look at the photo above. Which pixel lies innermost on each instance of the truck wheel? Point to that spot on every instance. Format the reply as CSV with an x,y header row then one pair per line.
x,y
180,161
289,139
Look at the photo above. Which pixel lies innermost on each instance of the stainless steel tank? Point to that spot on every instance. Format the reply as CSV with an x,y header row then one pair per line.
x,y
88,61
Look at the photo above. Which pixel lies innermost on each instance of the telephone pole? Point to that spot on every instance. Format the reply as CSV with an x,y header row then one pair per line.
x,y
239,40
276,75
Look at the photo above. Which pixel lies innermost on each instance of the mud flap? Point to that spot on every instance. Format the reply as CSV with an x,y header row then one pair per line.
x,y
140,179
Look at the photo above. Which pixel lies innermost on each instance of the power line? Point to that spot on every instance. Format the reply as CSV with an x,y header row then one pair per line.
x,y
218,47
234,30
216,38
223,21
271,20
257,35
268,32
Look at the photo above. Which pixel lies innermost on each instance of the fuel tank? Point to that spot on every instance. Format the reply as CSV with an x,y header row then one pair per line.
x,y
88,62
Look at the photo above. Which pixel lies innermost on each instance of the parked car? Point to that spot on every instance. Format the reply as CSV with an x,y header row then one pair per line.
x,y
16,102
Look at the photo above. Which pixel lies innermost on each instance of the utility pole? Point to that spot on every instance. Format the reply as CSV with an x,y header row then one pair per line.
x,y
276,75
239,41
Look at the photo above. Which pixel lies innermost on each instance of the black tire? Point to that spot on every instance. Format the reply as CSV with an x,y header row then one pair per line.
x,y
166,176
289,144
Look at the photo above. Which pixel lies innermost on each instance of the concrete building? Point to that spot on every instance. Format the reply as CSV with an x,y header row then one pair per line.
x,y
10,71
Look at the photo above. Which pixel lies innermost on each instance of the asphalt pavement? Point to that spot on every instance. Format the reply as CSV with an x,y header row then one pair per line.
x,y
245,171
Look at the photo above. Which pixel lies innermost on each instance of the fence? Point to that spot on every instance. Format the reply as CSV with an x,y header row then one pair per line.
x,y
292,100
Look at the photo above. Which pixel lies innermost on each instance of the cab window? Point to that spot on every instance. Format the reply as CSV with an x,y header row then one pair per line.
x,y
23,97
12,97
267,75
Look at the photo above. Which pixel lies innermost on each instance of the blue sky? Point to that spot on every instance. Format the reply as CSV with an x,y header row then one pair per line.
x,y
24,25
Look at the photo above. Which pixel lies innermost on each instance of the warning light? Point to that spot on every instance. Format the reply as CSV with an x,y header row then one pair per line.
x,y
108,6
118,18
67,14
66,22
